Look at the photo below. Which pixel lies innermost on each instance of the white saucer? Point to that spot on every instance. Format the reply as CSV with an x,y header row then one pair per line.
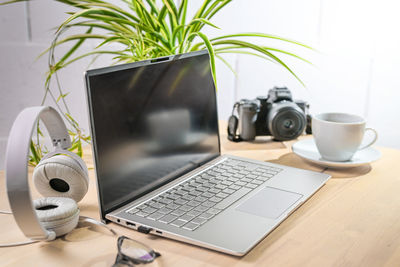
x,y
308,150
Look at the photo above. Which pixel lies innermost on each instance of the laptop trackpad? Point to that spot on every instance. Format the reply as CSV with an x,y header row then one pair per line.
x,y
269,202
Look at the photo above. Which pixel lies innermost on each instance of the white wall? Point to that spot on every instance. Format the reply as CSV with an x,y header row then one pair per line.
x,y
355,68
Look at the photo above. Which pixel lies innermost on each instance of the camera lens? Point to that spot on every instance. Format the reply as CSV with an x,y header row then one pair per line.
x,y
286,122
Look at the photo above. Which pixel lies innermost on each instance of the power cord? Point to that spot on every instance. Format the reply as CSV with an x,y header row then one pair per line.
x,y
18,244
82,219
5,212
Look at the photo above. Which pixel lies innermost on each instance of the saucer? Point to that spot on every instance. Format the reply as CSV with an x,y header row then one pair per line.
x,y
307,149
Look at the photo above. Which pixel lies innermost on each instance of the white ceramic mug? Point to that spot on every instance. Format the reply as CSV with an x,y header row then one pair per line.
x,y
338,136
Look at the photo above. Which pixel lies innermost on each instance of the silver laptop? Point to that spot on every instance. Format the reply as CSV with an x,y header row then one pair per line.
x,y
158,163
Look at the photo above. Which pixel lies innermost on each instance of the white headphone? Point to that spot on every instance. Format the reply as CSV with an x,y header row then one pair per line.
x,y
61,176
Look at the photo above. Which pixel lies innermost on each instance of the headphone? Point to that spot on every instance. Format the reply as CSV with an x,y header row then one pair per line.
x,y
61,176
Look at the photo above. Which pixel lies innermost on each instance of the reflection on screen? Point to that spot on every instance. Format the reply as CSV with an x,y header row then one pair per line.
x,y
151,123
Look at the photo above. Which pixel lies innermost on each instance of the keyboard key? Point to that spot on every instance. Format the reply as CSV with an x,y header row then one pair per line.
x,y
195,193
202,189
156,205
208,185
221,195
215,199
155,216
251,176
233,179
208,204
214,190
178,212
188,197
206,215
220,186
194,183
133,211
181,192
167,218
200,199
228,191
187,217
201,208
238,175
234,187
187,188
157,199
164,210
226,174
257,182
166,201
180,201
172,206
213,181
141,214
246,180
207,194
178,223
194,213
193,203
149,210
186,208
190,226
240,183
199,220
226,182
214,211
173,196
250,185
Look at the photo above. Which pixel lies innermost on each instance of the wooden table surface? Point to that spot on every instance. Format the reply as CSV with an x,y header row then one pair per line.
x,y
354,220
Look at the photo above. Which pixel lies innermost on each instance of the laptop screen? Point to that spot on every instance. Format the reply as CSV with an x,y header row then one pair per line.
x,y
151,122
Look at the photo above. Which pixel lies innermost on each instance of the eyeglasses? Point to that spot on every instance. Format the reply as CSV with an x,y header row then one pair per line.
x,y
132,252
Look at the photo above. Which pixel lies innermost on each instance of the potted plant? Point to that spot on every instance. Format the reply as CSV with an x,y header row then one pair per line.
x,y
144,29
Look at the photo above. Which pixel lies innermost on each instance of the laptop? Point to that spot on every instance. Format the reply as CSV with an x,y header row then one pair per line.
x,y
158,163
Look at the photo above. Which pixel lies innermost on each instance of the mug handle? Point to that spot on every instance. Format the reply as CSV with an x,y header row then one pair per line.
x,y
373,141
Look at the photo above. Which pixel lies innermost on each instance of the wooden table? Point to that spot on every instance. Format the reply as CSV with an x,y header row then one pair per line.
x,y
354,220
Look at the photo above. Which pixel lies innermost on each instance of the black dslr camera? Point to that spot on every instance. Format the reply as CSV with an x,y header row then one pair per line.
x,y
277,115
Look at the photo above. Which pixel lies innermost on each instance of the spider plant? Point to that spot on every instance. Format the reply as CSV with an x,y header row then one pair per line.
x,y
144,29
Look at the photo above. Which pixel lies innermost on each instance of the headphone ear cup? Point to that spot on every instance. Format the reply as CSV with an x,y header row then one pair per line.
x,y
57,214
61,176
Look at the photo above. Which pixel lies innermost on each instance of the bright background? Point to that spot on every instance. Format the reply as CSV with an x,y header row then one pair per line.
x,y
356,68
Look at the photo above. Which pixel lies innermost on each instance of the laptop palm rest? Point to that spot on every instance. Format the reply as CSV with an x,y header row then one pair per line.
x,y
269,202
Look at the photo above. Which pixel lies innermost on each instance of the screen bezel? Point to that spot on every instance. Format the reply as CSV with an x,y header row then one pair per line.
x,y
117,68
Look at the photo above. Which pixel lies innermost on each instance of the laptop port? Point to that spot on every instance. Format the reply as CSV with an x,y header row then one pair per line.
x,y
130,224
158,232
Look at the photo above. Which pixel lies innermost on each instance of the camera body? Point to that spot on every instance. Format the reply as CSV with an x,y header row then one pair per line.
x,y
276,115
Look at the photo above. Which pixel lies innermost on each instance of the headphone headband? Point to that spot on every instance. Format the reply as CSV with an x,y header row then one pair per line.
x,y
17,156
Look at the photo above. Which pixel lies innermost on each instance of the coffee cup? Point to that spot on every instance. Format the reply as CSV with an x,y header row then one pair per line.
x,y
338,136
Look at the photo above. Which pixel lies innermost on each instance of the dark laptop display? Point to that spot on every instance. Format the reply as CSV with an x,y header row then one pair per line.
x,y
147,127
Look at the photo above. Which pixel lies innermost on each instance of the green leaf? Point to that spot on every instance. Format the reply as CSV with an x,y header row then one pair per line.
x,y
195,21
62,96
262,35
211,52
34,154
259,49
226,63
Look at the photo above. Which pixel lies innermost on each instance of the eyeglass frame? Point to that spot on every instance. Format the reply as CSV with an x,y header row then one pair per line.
x,y
122,258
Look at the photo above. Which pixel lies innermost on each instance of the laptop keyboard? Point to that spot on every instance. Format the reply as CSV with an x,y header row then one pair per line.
x,y
197,200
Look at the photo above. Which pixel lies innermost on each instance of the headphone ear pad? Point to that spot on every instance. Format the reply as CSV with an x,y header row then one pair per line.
x,y
61,176
57,214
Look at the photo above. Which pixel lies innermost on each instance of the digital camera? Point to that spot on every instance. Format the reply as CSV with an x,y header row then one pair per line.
x,y
276,115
